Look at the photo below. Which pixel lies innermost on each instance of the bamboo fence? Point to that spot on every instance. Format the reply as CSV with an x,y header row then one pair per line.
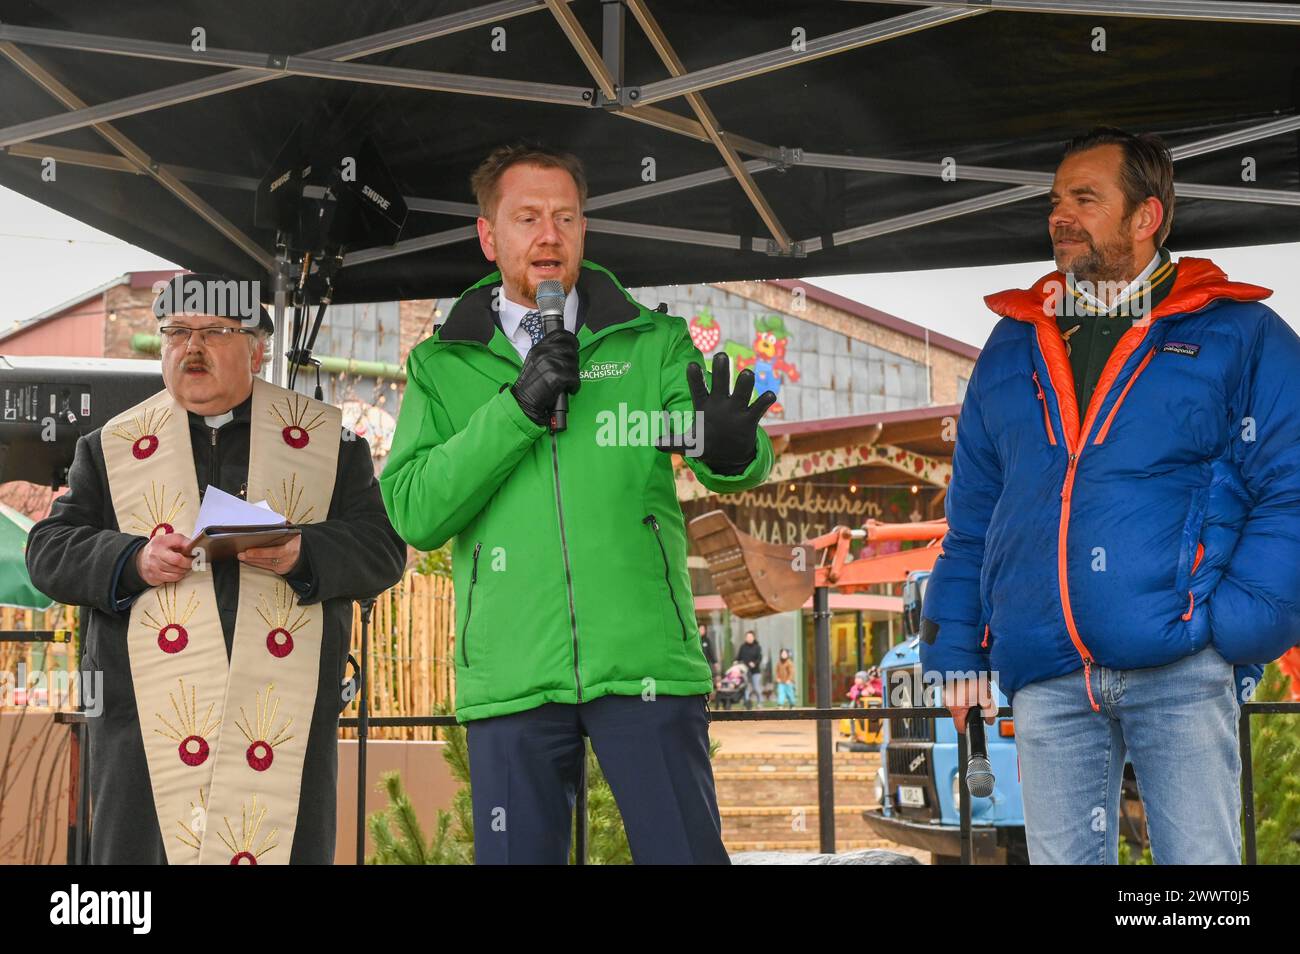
x,y
34,751
412,655
412,651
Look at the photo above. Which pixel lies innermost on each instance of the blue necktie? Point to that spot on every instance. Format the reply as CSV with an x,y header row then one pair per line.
x,y
532,323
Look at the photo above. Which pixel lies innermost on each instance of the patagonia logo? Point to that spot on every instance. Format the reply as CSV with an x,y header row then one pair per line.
x,y
605,369
1181,347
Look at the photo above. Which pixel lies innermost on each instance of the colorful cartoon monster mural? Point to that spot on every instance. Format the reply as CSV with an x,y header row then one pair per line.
x,y
766,358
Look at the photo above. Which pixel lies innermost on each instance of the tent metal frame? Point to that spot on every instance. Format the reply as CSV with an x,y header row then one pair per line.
x,y
609,94
1231,11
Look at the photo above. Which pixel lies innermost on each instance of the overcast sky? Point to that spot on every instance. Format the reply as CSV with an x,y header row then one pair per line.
x,y
951,300
47,258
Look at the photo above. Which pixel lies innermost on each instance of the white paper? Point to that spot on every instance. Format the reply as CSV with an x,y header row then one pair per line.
x,y
220,509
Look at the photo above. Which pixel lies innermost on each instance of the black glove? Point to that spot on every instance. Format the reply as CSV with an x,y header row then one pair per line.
x,y
728,440
550,368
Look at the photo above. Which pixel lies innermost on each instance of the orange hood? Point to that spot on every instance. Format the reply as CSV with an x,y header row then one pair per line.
x,y
1197,283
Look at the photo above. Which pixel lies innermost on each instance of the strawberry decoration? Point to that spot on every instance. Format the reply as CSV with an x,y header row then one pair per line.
x,y
705,333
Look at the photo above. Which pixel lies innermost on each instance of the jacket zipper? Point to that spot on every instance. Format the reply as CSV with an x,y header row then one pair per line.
x,y
568,573
1047,418
1105,428
650,519
1101,436
1084,653
212,458
469,607
1064,529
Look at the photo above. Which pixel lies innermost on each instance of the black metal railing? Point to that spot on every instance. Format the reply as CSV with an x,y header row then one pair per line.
x,y
824,716
825,762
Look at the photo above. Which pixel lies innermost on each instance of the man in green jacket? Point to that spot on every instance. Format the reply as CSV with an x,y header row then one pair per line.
x,y
574,613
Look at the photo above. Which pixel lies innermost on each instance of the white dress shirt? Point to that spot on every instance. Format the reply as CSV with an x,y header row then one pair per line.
x,y
1094,302
512,320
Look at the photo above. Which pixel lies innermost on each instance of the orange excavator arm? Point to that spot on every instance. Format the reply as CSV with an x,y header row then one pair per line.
x,y
757,578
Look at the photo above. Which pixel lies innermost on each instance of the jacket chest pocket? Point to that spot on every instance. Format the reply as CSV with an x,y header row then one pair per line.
x,y
1175,413
1041,395
1019,418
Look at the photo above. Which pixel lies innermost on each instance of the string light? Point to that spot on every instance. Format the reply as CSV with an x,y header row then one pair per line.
x,y
914,488
66,241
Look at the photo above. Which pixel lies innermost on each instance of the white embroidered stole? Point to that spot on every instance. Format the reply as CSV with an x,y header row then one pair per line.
x,y
225,741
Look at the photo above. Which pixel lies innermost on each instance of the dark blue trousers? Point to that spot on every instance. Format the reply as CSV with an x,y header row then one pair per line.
x,y
524,773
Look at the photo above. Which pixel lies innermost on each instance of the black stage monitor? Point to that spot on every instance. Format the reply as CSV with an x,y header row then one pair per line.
x,y
47,403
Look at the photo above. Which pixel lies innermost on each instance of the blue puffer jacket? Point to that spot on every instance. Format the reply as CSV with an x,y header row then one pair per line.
x,y
1167,520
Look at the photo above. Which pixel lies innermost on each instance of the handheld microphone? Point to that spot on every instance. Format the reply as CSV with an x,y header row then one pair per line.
x,y
550,302
979,770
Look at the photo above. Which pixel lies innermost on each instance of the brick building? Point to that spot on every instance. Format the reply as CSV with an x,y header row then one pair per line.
x,y
862,427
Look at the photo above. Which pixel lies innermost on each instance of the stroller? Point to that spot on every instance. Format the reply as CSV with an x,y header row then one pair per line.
x,y
731,688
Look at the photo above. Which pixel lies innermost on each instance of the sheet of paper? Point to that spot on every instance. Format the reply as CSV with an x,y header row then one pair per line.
x,y
222,509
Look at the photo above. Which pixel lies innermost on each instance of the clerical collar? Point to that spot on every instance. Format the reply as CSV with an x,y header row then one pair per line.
x,y
241,411
216,420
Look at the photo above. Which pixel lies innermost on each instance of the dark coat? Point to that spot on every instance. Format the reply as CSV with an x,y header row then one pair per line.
x,y
706,644
751,654
77,553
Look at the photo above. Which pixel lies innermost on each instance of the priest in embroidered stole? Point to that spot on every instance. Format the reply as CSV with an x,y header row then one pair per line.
x,y
222,679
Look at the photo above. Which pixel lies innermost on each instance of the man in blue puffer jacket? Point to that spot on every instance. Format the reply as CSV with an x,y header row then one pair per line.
x,y
1123,519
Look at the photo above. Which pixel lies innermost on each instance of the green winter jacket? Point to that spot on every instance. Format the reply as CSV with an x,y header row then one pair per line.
x,y
569,553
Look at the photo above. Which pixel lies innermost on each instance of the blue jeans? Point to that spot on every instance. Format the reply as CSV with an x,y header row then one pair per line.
x,y
754,689
1178,724
784,693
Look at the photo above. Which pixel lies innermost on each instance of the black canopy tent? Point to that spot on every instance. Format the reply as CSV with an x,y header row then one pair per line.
x,y
781,139
785,139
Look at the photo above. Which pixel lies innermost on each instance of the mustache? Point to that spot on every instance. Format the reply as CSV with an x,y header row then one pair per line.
x,y
1065,237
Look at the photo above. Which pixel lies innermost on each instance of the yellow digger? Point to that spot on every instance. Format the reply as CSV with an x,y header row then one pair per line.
x,y
862,735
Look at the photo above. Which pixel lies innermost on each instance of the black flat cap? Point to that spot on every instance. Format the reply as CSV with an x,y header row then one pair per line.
x,y
223,296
